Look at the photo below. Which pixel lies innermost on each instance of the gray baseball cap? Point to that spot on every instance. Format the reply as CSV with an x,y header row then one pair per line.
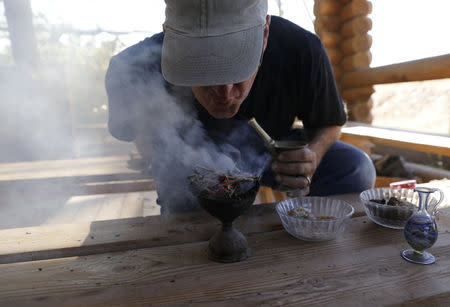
x,y
212,42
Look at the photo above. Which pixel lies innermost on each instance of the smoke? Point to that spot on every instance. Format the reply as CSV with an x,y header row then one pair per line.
x,y
167,116
39,111
35,125
40,108
30,122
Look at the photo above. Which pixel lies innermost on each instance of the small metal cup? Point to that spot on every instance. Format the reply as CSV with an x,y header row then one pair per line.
x,y
281,146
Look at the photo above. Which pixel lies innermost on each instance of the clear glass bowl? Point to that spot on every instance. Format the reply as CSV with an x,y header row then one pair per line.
x,y
389,216
315,229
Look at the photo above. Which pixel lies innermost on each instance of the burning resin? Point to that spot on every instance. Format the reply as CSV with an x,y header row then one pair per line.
x,y
225,196
212,184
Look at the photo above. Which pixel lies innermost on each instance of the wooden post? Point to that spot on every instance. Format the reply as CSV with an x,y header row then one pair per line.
x,y
21,33
342,26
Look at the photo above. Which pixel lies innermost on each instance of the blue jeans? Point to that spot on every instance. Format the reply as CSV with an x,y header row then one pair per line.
x,y
343,169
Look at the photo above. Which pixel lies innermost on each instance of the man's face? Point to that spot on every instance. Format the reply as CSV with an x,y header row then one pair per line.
x,y
224,101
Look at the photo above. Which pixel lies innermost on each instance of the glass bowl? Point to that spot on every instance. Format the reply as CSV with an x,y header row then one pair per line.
x,y
335,214
385,215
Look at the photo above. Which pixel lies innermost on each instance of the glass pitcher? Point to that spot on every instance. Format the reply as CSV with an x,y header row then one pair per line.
x,y
421,230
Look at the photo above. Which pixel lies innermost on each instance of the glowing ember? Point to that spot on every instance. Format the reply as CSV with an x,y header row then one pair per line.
x,y
225,186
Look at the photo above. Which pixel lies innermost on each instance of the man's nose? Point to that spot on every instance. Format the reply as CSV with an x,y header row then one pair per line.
x,y
223,90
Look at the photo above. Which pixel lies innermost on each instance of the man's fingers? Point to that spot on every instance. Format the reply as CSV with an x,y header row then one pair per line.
x,y
298,182
292,168
299,155
298,192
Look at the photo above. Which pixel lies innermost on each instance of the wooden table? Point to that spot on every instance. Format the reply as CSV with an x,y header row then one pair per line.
x,y
162,260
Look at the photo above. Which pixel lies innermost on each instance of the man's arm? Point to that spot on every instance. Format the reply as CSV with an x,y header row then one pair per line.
x,y
322,116
321,140
127,84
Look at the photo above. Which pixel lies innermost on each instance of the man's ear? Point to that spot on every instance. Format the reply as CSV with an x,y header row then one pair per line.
x,y
266,31
164,28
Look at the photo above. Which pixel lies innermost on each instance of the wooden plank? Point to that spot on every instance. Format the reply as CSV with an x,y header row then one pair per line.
x,y
84,209
74,177
419,70
423,142
79,185
363,266
126,186
53,241
84,167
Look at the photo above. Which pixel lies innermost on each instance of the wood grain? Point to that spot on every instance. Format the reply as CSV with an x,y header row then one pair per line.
x,y
328,22
73,177
327,7
358,93
330,39
56,241
356,60
356,8
65,168
357,43
356,26
364,266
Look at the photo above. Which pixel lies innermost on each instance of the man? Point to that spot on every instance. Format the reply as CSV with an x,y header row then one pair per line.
x,y
237,62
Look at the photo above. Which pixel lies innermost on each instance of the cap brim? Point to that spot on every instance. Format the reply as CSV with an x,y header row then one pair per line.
x,y
214,60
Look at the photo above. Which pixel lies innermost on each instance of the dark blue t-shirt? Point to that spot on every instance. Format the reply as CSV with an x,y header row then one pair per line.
x,y
295,79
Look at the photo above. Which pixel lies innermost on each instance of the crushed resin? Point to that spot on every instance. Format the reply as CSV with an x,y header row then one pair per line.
x,y
393,201
307,214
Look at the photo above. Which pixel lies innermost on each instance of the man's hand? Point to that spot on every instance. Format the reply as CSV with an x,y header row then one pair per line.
x,y
295,168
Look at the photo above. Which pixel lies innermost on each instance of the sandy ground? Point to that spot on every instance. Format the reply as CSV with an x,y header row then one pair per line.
x,y
421,106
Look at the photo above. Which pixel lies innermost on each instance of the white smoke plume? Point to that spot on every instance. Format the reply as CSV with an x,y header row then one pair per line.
x,y
166,116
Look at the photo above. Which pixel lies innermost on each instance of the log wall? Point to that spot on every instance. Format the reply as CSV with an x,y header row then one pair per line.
x,y
342,25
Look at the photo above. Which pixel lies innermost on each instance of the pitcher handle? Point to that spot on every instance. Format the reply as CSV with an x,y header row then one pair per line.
x,y
435,206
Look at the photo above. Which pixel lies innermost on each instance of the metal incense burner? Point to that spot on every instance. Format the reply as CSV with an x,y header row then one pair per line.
x,y
228,244
277,147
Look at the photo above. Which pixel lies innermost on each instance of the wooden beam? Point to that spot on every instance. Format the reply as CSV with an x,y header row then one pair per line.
x,y
72,188
327,7
357,93
422,142
419,70
356,26
330,39
356,43
356,8
328,22
73,177
353,61
57,169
